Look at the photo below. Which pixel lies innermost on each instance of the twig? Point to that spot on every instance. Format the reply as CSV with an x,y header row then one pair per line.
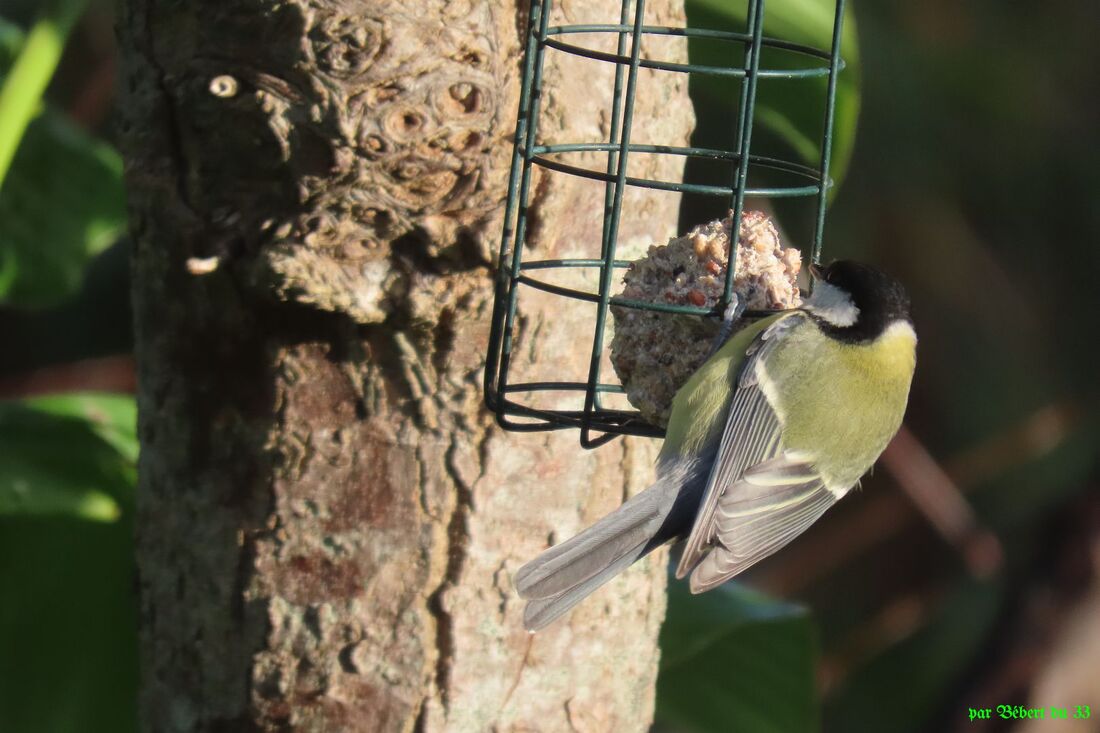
x,y
941,502
104,374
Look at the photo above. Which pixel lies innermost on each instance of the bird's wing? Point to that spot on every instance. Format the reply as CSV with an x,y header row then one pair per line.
x,y
751,435
772,503
758,497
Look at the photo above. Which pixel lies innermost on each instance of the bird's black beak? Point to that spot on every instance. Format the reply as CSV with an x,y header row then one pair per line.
x,y
816,271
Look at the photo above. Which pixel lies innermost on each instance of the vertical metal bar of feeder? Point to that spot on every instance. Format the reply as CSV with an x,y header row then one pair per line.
x,y
502,297
612,155
607,268
755,26
535,46
827,134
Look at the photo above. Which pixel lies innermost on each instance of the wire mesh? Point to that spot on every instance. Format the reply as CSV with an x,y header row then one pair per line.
x,y
512,402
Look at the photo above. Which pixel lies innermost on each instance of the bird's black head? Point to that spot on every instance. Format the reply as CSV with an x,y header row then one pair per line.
x,y
880,299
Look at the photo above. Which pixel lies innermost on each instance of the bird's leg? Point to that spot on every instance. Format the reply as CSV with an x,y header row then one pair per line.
x,y
731,315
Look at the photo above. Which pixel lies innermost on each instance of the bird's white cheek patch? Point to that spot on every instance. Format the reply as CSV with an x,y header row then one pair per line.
x,y
833,305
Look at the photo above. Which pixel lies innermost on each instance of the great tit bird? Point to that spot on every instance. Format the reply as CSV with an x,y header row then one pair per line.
x,y
775,427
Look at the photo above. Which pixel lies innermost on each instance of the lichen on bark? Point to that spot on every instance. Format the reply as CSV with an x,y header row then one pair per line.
x,y
328,519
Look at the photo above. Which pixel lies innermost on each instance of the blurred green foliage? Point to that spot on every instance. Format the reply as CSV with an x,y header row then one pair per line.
x,y
68,628
67,462
30,72
791,109
732,659
70,454
61,204
62,201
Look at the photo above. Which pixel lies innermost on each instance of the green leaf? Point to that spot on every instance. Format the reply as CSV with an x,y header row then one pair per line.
x,y
69,455
61,201
31,70
61,204
68,626
735,660
113,417
791,109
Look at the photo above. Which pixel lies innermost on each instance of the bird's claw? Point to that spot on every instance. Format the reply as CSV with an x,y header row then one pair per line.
x,y
731,315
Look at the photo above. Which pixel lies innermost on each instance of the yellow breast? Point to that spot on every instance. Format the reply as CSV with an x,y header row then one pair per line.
x,y
840,403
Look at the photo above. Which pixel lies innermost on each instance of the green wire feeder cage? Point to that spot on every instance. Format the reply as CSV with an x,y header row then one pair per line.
x,y
514,403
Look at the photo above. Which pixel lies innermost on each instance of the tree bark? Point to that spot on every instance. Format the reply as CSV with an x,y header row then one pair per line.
x,y
328,520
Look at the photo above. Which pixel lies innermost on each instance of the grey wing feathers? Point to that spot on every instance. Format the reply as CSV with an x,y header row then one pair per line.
x,y
758,497
773,503
751,435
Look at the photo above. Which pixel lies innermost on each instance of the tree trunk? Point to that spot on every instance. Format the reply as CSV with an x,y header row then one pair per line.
x,y
328,520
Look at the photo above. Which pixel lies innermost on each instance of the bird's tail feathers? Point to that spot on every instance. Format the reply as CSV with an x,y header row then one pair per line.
x,y
561,576
541,612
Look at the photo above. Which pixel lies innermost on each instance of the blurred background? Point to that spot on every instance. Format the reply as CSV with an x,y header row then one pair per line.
x,y
965,574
